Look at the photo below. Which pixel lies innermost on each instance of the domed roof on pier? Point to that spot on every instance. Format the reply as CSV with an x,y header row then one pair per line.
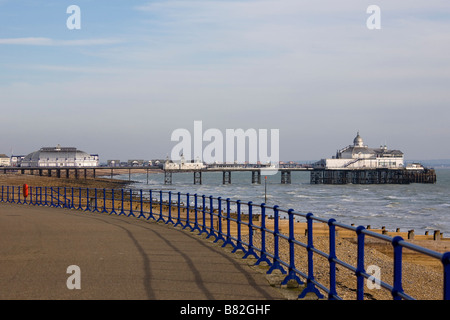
x,y
56,152
358,141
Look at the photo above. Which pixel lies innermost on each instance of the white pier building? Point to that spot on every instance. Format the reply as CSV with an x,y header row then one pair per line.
x,y
183,165
360,156
60,157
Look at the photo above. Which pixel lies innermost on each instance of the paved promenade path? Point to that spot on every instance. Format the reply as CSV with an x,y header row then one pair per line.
x,y
119,258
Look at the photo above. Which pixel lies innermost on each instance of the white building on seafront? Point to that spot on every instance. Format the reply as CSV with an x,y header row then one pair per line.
x,y
5,161
360,156
60,157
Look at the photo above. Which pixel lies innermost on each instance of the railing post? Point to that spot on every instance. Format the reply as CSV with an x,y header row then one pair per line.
x,y
292,275
59,194
18,195
31,195
141,213
360,264
88,201
131,213
178,210
151,206
122,211
263,257
73,203
113,210
169,220
211,216
203,230
95,201
35,195
187,213
196,227
276,258
65,197
239,245
2,195
104,201
331,259
397,288
446,266
160,207
219,218
228,236
310,286
51,197
80,207
251,250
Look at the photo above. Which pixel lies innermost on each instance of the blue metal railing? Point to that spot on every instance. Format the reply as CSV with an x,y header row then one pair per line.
x,y
226,220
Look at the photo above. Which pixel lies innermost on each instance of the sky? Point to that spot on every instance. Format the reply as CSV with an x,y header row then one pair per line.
x,y
138,70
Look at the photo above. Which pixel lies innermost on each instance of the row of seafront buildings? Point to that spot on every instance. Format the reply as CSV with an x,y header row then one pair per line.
x,y
65,157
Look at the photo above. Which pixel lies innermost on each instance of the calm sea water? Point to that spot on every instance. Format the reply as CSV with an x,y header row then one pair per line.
x,y
420,207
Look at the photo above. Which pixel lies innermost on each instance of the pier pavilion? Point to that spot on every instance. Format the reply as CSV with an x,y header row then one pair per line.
x,y
359,164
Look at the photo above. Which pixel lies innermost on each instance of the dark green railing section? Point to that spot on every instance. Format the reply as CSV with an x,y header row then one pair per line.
x,y
237,223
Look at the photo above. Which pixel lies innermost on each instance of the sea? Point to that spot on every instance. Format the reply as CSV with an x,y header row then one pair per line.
x,y
416,206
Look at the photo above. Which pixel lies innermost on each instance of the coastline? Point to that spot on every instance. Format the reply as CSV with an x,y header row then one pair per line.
x,y
422,279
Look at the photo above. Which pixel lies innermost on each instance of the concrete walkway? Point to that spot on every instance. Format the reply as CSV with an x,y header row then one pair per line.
x,y
118,258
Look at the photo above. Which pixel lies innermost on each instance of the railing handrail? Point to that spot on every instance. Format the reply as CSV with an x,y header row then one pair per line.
x,y
201,224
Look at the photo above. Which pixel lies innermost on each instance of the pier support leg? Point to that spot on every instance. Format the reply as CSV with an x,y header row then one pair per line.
x,y
167,177
256,177
227,177
285,177
197,177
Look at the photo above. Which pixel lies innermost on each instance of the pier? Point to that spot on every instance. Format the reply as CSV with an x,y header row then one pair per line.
x,y
372,176
84,172
318,175
226,173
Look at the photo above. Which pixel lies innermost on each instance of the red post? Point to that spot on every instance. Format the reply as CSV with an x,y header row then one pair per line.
x,y
25,190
